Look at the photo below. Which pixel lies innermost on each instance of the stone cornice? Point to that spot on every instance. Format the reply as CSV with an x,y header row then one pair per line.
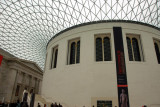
x,y
16,63
101,21
24,69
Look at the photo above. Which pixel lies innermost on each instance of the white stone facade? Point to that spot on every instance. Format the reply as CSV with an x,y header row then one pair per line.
x,y
84,83
20,73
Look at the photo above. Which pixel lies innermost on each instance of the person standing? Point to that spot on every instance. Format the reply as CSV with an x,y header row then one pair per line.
x,y
60,105
44,105
39,105
56,104
18,103
52,105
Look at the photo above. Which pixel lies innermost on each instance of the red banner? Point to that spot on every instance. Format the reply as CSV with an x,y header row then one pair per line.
x,y
1,57
122,84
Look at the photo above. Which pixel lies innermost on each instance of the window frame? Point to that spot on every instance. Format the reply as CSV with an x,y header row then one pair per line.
x,y
155,40
102,36
138,37
69,50
53,50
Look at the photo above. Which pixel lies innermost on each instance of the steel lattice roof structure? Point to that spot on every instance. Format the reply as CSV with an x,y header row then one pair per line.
x,y
26,26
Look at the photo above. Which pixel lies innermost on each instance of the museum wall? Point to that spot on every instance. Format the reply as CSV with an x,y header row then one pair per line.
x,y
85,83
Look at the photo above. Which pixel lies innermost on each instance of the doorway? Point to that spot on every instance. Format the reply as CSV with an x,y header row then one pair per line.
x,y
104,103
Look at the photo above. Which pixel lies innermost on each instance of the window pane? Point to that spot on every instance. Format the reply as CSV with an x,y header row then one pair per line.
x,y
72,53
136,49
129,49
55,58
107,49
157,52
98,49
78,52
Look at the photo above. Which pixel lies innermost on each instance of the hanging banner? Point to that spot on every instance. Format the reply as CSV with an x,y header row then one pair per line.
x,y
122,85
1,57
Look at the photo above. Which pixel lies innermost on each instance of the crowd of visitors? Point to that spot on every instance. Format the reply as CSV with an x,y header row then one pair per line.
x,y
25,104
52,105
17,104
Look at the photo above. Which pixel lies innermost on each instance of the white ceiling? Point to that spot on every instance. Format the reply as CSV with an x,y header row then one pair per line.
x,y
26,26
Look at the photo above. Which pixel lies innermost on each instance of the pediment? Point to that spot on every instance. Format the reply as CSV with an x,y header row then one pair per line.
x,y
32,65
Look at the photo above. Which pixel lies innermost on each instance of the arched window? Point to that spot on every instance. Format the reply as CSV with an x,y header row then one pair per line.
x,y
157,52
99,49
54,57
129,49
74,51
134,48
107,49
103,48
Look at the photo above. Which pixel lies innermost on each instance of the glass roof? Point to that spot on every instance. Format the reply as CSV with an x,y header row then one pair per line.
x,y
26,26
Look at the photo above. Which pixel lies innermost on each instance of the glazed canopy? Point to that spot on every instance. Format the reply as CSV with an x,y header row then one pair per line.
x,y
26,26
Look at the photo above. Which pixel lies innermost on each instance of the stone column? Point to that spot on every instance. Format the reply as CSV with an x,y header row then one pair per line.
x,y
40,86
23,80
22,85
30,83
27,82
35,86
13,97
